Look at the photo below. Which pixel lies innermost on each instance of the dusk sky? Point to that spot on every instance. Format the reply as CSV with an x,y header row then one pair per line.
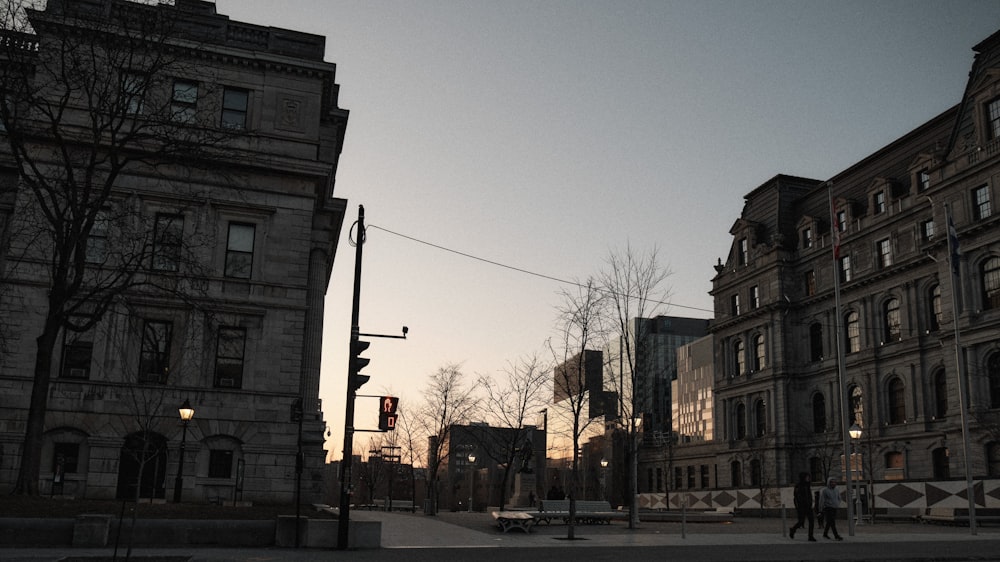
x,y
543,135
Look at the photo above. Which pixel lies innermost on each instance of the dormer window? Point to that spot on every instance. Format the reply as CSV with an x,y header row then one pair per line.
x,y
878,203
807,237
743,252
993,118
841,220
923,180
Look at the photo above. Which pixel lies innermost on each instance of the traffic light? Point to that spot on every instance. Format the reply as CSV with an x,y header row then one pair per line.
x,y
357,363
387,413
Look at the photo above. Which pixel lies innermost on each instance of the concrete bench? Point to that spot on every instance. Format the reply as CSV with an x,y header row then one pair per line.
x,y
939,515
508,520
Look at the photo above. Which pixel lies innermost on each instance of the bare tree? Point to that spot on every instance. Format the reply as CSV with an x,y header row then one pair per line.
x,y
508,403
89,104
633,284
447,402
579,329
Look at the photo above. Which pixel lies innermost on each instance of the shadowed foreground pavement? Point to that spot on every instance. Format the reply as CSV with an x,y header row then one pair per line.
x,y
473,536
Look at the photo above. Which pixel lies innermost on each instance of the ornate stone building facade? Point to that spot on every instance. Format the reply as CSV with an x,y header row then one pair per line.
x,y
226,202
776,385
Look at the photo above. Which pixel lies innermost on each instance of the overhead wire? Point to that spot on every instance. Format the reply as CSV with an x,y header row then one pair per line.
x,y
513,268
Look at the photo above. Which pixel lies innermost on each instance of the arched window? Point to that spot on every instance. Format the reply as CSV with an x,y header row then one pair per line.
x,y
896,402
934,314
940,394
740,355
991,283
993,459
819,413
735,473
741,421
759,418
894,468
758,355
939,459
857,406
993,375
755,472
890,320
852,331
816,469
816,342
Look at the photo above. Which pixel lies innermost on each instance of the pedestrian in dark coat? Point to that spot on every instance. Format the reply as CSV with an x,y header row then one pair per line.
x,y
803,506
829,501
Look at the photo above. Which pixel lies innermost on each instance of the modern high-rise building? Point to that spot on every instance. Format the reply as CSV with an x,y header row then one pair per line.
x,y
656,365
169,227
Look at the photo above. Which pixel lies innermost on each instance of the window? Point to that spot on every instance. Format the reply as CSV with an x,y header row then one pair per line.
x,y
234,108
220,463
659,479
741,421
934,299
735,305
891,323
690,474
842,221
97,240
816,472
940,394
896,402
993,375
845,269
154,354
705,483
927,230
758,355
133,92
993,459
819,413
239,250
678,477
894,469
991,283
853,332
939,458
857,406
807,237
740,357
816,341
878,203
981,203
65,458
884,253
810,282
743,255
168,233
229,357
78,349
923,180
184,102
759,418
735,474
993,119
755,472
754,297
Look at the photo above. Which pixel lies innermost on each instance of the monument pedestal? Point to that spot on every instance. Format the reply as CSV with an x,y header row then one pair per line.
x,y
524,488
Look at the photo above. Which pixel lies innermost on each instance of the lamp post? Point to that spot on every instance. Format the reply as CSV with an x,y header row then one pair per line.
x,y
855,433
186,412
634,469
472,467
604,479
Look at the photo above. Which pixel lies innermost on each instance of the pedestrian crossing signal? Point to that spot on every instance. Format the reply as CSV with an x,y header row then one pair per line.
x,y
387,413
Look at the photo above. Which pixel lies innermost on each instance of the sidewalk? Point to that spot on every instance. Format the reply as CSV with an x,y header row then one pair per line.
x,y
478,531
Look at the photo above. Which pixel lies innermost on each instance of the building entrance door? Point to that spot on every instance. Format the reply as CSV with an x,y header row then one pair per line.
x,y
142,465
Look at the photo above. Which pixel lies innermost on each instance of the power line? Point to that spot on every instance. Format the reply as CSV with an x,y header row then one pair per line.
x,y
513,268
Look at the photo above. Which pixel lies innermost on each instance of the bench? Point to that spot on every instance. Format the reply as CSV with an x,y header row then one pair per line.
x,y
939,515
508,520
587,511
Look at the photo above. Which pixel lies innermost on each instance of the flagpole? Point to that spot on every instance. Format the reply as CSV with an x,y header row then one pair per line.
x,y
841,374
963,383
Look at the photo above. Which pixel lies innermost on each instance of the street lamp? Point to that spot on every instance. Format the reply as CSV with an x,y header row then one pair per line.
x,y
855,433
186,412
604,479
634,484
472,462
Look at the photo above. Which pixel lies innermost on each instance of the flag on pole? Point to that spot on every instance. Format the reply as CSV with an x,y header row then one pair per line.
x,y
954,253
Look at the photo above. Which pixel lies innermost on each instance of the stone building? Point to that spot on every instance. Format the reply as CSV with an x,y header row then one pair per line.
x,y
777,408
221,218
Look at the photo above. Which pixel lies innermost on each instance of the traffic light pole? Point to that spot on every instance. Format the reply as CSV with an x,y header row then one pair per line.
x,y
345,464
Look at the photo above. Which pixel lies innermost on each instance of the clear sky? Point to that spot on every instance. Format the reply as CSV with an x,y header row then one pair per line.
x,y
543,134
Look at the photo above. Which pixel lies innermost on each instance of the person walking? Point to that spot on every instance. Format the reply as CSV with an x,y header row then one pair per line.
x,y
829,501
803,506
